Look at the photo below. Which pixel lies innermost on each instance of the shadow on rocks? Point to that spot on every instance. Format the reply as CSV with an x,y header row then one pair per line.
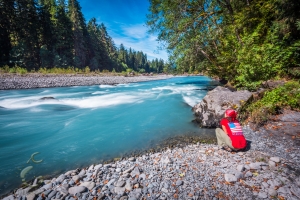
x,y
248,147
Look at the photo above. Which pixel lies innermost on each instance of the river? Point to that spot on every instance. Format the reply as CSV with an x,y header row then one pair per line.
x,y
83,125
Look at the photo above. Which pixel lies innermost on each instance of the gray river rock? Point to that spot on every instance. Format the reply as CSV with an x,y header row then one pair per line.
x,y
211,109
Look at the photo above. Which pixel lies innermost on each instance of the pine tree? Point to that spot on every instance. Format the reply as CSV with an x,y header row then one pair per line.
x,y
6,18
24,36
79,34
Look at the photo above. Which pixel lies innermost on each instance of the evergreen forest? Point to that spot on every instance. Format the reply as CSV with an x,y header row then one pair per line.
x,y
40,35
243,41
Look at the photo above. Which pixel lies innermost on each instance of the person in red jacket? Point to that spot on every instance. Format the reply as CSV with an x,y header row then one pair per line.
x,y
231,135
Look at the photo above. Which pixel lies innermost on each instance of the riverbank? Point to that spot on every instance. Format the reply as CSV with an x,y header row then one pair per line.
x,y
37,80
268,168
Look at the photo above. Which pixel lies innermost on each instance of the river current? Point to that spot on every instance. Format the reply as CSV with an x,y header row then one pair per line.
x,y
86,125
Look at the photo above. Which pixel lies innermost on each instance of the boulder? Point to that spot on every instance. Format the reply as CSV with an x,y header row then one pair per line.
x,y
211,109
47,98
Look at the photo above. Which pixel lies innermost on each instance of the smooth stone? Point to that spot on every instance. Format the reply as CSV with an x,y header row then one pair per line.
x,y
132,159
275,159
230,178
295,190
91,168
118,170
135,172
10,197
30,196
128,186
272,192
262,195
111,182
142,177
89,185
238,175
119,190
272,164
164,190
120,183
52,194
282,190
265,184
68,173
82,173
22,192
240,168
98,167
61,178
77,189
107,165
179,182
256,165
48,186
166,160
76,178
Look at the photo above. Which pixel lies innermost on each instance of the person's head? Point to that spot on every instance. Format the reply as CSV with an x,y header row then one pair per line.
x,y
231,114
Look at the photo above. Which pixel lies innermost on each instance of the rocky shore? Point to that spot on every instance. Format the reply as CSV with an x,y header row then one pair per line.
x,y
267,169
35,80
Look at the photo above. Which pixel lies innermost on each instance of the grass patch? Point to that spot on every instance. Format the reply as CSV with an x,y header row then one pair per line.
x,y
273,102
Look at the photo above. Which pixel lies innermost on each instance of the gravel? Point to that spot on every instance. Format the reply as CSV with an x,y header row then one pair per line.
x,y
28,81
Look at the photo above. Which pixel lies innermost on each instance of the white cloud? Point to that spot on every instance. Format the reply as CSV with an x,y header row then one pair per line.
x,y
136,37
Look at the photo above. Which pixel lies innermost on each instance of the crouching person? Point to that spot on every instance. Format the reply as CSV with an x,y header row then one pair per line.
x,y
231,135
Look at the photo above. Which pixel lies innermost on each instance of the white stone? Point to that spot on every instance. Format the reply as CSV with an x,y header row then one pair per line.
x,y
10,197
255,165
91,168
89,185
272,164
275,159
240,168
119,190
76,178
272,192
97,166
230,178
262,195
77,189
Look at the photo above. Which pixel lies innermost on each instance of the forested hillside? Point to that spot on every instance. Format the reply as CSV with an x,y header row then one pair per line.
x,y
243,41
47,34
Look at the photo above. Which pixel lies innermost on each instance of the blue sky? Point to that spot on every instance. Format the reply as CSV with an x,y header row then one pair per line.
x,y
125,23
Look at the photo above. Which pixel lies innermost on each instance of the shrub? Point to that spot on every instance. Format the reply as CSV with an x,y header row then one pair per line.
x,y
4,69
273,101
87,69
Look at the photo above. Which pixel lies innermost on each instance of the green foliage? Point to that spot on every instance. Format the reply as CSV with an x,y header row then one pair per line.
x,y
4,69
16,69
286,96
87,70
245,42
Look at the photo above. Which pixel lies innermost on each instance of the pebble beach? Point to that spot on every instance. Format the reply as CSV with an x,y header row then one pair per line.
x,y
267,169
29,81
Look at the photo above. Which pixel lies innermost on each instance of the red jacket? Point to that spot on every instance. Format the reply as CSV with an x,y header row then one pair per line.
x,y
235,133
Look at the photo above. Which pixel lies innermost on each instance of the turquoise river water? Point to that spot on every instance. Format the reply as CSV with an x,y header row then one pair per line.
x,y
89,124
